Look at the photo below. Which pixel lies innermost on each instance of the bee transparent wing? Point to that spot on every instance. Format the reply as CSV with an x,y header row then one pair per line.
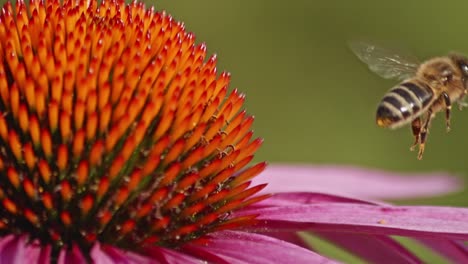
x,y
386,63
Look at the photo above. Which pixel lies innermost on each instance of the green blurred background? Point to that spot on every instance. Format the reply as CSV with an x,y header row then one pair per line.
x,y
313,100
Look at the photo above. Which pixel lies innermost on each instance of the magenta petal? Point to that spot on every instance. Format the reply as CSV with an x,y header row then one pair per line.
x,y
16,249
104,254
375,249
242,247
291,237
454,250
288,199
417,221
71,256
173,257
349,181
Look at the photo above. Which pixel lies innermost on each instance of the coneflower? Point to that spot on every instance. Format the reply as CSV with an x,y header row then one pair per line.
x,y
116,127
120,142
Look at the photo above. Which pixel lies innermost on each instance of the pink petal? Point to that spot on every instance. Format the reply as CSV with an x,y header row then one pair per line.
x,y
454,250
355,182
104,254
73,256
241,247
16,249
288,199
173,257
290,237
417,221
375,249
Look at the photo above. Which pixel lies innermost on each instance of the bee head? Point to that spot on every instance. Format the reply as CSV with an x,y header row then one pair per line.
x,y
462,63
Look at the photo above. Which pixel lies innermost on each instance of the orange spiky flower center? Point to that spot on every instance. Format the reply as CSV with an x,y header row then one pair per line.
x,y
114,127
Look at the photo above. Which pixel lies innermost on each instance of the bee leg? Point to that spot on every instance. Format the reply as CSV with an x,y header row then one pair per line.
x,y
424,131
448,107
416,128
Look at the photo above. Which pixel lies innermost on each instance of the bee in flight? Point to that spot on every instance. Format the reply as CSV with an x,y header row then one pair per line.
x,y
425,89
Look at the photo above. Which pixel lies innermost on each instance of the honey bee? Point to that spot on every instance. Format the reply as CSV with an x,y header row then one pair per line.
x,y
425,88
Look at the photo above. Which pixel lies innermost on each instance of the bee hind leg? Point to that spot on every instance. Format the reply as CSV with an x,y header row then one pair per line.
x,y
424,131
416,129
448,108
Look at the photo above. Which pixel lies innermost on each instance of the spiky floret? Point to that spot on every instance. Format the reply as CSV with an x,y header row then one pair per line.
x,y
114,127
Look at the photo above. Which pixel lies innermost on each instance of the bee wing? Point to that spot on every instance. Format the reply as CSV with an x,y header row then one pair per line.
x,y
386,63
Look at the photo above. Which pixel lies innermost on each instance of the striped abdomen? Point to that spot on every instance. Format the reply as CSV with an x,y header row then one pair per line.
x,y
403,103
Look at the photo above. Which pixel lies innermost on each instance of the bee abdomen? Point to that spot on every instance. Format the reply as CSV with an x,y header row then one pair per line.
x,y
402,103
